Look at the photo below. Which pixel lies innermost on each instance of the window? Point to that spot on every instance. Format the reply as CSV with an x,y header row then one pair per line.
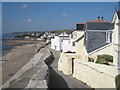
x,y
73,44
108,37
69,42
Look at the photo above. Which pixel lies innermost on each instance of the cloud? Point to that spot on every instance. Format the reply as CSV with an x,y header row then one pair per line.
x,y
64,14
24,6
29,20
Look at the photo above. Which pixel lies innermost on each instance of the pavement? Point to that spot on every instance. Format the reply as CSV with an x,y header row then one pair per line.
x,y
59,80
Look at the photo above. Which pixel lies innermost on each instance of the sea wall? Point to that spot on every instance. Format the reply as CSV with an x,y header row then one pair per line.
x,y
41,78
39,57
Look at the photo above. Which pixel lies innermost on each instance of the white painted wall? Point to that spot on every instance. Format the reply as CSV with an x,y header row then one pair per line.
x,y
116,41
108,49
67,45
95,75
55,43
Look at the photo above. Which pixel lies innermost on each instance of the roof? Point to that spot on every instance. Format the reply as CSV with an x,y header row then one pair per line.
x,y
63,35
95,25
99,21
95,40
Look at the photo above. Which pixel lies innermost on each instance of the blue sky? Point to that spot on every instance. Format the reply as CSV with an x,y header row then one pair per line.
x,y
39,16
0,17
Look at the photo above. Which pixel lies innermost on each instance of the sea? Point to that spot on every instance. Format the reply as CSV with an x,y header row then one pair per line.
x,y
5,48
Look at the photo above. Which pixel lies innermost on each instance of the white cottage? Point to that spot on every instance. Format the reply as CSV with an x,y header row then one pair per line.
x,y
116,38
69,44
57,41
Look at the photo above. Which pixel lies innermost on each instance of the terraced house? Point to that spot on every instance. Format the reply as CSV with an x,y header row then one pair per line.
x,y
94,38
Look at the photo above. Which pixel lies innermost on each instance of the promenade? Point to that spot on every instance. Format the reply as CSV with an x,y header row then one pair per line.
x,y
56,78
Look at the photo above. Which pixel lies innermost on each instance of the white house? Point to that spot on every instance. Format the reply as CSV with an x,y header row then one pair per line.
x,y
57,41
69,44
116,39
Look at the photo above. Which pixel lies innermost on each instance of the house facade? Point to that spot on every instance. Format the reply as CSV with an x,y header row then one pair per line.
x,y
95,38
57,41
116,38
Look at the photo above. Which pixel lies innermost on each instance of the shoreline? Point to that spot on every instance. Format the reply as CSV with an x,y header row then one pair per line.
x,y
8,45
17,57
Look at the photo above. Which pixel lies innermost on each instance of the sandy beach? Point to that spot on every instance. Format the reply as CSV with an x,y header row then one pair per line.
x,y
16,58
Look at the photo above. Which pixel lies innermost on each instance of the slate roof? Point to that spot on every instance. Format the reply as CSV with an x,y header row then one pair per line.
x,y
99,26
95,40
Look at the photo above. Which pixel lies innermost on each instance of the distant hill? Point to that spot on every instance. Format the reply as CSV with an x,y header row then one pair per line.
x,y
61,31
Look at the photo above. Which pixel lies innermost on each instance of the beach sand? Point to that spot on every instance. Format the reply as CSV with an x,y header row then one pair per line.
x,y
17,58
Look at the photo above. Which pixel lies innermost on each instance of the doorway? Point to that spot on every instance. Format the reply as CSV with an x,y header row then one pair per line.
x,y
72,65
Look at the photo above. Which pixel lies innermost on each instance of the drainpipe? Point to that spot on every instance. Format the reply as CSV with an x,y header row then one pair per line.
x,y
118,65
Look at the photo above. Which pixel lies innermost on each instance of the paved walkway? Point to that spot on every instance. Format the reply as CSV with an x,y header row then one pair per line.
x,y
60,80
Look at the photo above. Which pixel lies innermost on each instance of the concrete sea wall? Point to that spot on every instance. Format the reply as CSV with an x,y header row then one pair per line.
x,y
39,57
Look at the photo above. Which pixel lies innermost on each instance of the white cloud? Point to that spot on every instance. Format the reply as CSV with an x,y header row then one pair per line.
x,y
64,14
24,6
29,20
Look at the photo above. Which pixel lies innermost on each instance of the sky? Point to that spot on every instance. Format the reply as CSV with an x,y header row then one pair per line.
x,y
42,16
0,17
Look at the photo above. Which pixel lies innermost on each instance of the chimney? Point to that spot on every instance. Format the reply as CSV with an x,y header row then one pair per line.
x,y
100,20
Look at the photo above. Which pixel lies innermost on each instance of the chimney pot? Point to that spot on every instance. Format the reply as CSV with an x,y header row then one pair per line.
x,y
98,17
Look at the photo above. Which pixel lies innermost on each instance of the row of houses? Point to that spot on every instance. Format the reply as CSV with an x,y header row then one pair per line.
x,y
89,40
92,38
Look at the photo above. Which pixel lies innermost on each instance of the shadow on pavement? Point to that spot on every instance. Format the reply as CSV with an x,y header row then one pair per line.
x,y
55,80
50,59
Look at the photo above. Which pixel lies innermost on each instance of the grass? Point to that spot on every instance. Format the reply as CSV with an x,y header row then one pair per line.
x,y
61,31
104,59
117,82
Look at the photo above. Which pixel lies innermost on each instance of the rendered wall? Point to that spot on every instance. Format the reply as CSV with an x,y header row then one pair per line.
x,y
65,64
55,43
67,46
104,50
80,43
95,75
116,41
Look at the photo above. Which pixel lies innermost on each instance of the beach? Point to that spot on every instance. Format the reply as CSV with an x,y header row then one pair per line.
x,y
17,58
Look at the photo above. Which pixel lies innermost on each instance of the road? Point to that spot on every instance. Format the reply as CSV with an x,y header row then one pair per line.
x,y
60,80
